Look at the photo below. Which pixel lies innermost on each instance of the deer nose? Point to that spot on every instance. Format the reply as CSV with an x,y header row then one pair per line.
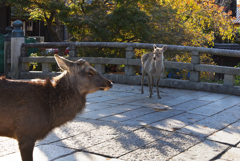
x,y
154,58
110,84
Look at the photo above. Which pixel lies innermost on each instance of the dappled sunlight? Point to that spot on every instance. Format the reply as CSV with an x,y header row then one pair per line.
x,y
119,116
170,124
8,146
197,130
139,129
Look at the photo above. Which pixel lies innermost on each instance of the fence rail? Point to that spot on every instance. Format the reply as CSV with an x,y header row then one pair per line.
x,y
17,62
212,51
129,76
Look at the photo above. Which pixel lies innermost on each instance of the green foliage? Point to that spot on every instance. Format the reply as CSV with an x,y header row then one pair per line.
x,y
180,22
237,77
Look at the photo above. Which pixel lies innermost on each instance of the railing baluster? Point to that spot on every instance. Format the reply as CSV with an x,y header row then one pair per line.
x,y
229,79
100,68
131,78
46,67
129,69
195,59
72,51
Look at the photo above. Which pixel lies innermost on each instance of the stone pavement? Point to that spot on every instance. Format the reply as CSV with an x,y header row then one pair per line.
x,y
122,124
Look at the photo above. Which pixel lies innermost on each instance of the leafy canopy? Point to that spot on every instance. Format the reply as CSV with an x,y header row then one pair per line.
x,y
180,22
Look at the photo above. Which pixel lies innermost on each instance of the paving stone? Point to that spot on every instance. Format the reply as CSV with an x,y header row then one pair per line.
x,y
83,156
151,104
102,98
177,92
8,146
97,106
224,103
217,106
200,93
147,101
232,154
69,129
229,135
124,100
4,138
222,119
100,93
213,97
103,133
178,100
208,110
197,130
163,149
41,153
108,111
177,122
128,115
209,125
233,112
205,150
127,88
186,106
153,117
129,142
231,99
123,94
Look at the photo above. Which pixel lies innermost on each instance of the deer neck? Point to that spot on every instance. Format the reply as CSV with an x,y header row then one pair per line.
x,y
159,62
66,101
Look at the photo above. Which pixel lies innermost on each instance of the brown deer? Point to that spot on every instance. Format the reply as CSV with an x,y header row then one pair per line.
x,y
30,110
152,64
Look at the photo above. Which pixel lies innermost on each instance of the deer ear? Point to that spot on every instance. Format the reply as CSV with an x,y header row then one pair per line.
x,y
154,47
63,63
81,61
164,47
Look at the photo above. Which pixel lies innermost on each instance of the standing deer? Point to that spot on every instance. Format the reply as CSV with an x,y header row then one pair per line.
x,y
30,110
152,64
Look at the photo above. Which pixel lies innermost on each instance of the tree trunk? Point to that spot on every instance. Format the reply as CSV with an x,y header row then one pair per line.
x,y
53,32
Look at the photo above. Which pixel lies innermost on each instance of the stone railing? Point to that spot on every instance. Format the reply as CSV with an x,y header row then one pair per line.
x,y
20,64
129,77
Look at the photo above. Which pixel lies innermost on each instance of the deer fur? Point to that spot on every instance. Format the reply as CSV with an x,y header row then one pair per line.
x,y
152,64
30,110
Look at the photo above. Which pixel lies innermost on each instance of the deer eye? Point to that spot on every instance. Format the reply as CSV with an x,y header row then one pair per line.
x,y
90,73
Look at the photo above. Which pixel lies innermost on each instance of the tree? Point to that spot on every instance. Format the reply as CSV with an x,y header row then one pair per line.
x,y
118,21
180,22
45,10
191,22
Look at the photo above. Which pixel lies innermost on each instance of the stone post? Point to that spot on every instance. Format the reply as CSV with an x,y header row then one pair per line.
x,y
194,75
100,68
16,43
129,69
46,67
229,79
7,50
72,51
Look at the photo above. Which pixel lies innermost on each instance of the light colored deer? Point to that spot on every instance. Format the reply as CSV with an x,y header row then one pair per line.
x,y
152,64
30,110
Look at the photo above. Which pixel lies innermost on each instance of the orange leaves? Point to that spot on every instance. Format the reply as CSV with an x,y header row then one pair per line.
x,y
202,20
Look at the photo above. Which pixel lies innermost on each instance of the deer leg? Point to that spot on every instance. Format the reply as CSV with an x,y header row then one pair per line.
x,y
159,97
150,85
26,146
143,74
